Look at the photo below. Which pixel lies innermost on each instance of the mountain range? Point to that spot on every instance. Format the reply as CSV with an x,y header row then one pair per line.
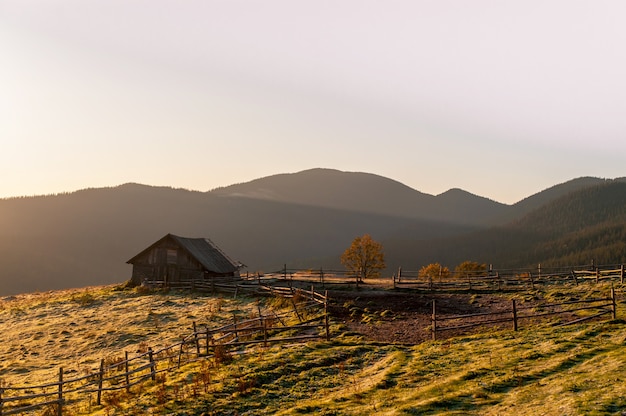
x,y
304,219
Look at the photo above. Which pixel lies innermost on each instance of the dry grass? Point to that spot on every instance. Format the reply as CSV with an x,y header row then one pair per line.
x,y
541,370
75,329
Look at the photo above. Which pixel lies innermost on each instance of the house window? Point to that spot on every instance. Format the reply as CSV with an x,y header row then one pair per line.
x,y
172,256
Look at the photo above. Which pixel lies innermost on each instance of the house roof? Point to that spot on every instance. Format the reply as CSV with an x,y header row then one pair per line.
x,y
205,251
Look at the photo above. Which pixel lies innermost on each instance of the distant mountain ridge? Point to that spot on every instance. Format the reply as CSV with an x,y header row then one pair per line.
x,y
366,192
585,225
539,199
304,219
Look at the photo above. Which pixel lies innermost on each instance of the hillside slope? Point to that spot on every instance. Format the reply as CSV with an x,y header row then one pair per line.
x,y
366,192
553,193
585,225
304,220
85,238
540,369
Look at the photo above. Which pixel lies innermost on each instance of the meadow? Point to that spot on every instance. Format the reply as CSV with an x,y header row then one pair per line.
x,y
538,370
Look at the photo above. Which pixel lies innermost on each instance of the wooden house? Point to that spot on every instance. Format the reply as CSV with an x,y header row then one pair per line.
x,y
175,261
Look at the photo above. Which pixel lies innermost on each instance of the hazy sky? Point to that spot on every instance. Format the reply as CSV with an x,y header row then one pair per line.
x,y
500,98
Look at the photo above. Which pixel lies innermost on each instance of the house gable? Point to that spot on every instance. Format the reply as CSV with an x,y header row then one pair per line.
x,y
175,259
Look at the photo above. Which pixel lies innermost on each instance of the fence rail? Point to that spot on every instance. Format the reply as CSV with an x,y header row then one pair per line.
x,y
514,314
135,369
317,276
507,279
489,279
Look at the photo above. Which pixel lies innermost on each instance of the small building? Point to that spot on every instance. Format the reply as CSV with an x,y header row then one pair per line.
x,y
175,261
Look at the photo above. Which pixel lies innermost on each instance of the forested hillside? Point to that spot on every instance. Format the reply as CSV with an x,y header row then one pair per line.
x,y
588,224
553,193
304,220
366,192
578,228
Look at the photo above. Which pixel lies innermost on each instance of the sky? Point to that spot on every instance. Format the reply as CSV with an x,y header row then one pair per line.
x,y
500,98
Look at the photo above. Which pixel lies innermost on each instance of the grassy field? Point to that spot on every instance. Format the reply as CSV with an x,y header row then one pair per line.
x,y
543,370
77,328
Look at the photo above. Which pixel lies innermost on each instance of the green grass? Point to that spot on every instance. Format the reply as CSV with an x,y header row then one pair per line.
x,y
540,370
577,370
569,371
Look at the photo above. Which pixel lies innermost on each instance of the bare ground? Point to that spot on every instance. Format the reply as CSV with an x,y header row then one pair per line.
x,y
405,318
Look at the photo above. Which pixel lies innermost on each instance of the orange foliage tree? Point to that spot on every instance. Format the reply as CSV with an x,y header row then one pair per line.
x,y
434,270
470,268
365,257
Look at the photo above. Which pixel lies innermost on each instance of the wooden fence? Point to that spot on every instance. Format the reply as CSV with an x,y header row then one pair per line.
x,y
259,283
489,280
310,308
317,276
513,316
507,279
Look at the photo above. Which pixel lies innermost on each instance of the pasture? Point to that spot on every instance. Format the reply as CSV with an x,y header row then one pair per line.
x,y
380,358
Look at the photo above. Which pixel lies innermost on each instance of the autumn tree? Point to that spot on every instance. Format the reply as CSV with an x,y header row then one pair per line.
x,y
470,268
434,270
365,257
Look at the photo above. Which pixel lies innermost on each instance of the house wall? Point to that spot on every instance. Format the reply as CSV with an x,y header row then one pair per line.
x,y
168,264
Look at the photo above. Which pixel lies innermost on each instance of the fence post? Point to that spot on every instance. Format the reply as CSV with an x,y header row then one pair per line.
x,y
621,274
326,315
127,376
434,322
258,307
532,281
499,281
613,306
514,316
295,308
264,323
180,351
60,397
399,273
152,364
195,338
100,377
235,327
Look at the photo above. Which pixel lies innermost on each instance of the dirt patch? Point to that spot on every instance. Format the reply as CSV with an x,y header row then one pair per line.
x,y
405,318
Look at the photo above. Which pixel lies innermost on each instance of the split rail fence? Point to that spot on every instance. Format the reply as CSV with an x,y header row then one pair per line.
x,y
319,277
310,308
489,280
508,279
265,282
262,282
513,315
